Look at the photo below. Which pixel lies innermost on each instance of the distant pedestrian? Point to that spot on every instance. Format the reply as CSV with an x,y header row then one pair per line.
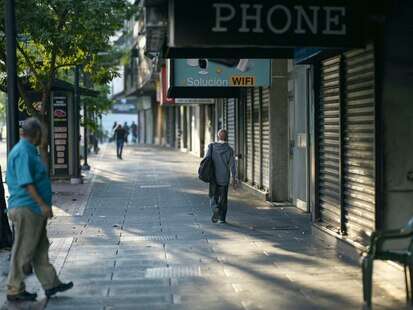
x,y
94,142
29,208
224,166
126,127
120,134
134,129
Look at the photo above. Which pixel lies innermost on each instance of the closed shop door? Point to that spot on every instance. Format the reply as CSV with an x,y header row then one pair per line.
x,y
298,88
170,130
329,144
241,132
359,143
231,122
257,137
346,144
249,137
265,136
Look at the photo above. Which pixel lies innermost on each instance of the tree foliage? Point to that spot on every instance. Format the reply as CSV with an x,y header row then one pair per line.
x,y
96,107
57,35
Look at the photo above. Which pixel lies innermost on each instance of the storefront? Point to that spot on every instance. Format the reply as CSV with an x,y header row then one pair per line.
x,y
146,119
315,136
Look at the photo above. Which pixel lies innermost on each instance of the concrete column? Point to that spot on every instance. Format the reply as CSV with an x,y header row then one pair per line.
x,y
396,133
279,132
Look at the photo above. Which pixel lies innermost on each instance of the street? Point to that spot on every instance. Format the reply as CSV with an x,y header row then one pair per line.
x,y
144,240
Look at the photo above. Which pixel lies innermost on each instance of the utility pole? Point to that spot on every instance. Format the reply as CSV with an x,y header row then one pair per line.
x,y
85,166
76,129
12,91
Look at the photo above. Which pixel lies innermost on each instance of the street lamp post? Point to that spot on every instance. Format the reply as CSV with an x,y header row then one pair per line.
x,y
12,91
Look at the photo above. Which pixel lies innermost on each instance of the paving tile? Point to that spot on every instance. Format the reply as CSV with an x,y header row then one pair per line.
x,y
144,240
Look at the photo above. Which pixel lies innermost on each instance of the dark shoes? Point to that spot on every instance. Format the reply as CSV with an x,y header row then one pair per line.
x,y
215,215
23,296
58,289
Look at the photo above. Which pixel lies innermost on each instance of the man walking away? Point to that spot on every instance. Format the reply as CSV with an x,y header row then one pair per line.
x,y
224,165
120,134
134,129
29,208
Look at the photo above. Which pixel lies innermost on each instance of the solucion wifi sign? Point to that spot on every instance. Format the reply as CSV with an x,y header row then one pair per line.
x,y
204,72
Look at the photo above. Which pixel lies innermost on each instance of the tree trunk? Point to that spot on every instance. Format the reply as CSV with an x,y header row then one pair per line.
x,y
6,237
44,118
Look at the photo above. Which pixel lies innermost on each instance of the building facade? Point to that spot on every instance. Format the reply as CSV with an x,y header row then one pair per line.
x,y
328,136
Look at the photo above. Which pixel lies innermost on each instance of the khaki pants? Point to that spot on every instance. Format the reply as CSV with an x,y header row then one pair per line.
x,y
30,247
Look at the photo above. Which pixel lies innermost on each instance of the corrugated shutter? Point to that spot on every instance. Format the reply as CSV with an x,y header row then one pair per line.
x,y
266,137
170,130
231,106
249,138
224,112
257,137
359,143
329,144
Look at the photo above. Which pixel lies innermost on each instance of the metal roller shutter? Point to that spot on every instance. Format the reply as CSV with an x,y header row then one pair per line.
x,y
266,138
329,144
359,143
224,112
249,138
231,122
170,133
257,137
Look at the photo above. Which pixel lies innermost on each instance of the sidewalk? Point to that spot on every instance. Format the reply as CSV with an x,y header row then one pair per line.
x,y
145,241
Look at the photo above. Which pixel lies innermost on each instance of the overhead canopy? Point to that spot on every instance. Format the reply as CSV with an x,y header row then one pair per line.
x,y
258,28
60,85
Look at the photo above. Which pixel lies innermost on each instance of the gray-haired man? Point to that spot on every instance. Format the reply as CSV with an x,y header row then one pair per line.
x,y
224,165
30,205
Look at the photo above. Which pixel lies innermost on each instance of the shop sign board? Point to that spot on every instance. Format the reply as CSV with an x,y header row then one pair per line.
x,y
60,135
194,101
203,72
267,23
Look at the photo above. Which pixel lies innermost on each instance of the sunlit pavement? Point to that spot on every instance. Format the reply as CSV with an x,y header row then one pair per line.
x,y
144,240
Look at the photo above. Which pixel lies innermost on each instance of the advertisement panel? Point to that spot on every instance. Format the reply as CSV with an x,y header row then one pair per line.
x,y
204,72
60,135
194,101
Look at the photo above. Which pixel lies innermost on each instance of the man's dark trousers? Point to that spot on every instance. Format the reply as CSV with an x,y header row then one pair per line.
x,y
219,199
119,147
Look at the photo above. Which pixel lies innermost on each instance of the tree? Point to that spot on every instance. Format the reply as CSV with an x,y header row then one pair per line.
x,y
96,106
55,35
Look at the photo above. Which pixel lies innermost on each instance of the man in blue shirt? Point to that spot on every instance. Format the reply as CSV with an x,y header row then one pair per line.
x,y
29,207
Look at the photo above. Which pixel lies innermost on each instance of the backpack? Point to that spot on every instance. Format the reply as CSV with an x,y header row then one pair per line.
x,y
206,172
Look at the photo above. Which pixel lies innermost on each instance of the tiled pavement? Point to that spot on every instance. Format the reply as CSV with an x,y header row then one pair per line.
x,y
145,241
